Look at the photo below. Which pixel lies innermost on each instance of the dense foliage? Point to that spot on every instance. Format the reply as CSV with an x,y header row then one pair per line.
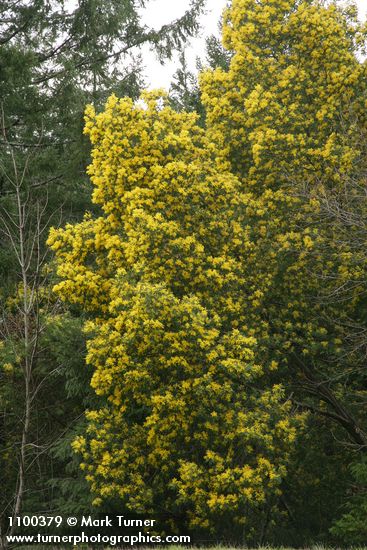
x,y
161,273
219,275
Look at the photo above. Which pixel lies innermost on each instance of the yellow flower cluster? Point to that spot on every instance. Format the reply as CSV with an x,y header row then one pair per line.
x,y
295,73
161,275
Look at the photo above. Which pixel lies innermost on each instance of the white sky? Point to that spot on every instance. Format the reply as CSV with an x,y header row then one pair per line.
x,y
161,12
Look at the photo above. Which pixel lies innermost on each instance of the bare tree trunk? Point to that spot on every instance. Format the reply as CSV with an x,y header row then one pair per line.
x,y
27,308
23,227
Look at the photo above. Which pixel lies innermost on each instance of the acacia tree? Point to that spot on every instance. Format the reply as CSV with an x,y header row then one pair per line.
x,y
281,141
189,428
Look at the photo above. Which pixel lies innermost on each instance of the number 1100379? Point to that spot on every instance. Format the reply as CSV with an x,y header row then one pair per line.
x,y
35,521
